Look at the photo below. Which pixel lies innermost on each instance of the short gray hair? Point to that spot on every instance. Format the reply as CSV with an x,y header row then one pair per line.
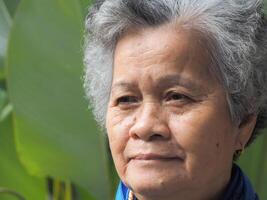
x,y
237,35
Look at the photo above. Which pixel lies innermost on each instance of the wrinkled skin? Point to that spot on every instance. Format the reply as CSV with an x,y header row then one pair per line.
x,y
168,121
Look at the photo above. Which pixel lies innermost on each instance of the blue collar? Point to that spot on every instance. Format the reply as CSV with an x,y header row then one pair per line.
x,y
239,188
122,192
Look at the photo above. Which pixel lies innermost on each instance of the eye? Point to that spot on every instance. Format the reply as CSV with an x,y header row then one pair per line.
x,y
174,96
125,100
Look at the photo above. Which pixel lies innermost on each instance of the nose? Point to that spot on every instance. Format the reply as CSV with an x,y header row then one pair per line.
x,y
150,123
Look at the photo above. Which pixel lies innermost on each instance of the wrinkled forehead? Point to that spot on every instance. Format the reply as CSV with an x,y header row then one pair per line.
x,y
164,48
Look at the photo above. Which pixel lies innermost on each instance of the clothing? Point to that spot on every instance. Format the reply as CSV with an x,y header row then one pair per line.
x,y
239,188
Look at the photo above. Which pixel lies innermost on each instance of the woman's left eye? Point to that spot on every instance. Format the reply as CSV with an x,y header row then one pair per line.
x,y
174,96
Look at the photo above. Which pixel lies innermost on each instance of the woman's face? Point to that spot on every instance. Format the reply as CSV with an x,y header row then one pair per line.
x,y
168,121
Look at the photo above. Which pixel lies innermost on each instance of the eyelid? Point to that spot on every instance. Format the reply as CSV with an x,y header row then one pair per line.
x,y
131,97
173,92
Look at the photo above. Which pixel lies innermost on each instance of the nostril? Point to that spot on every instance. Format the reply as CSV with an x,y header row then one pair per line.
x,y
156,136
134,136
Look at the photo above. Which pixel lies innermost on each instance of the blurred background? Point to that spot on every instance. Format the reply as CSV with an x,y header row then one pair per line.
x,y
50,146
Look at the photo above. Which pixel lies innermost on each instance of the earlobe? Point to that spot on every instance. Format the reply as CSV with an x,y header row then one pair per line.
x,y
245,131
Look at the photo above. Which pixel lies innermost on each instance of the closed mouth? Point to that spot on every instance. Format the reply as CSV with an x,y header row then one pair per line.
x,y
147,157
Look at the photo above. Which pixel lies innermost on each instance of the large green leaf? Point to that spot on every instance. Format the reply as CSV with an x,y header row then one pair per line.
x,y
12,174
5,23
55,133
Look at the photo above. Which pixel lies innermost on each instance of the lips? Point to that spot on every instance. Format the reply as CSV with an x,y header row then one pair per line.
x,y
152,156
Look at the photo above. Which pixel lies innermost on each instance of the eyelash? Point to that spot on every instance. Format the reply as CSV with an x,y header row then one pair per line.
x,y
126,100
180,96
170,96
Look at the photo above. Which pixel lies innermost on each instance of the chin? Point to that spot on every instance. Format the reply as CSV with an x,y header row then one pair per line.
x,y
147,187
154,177
151,184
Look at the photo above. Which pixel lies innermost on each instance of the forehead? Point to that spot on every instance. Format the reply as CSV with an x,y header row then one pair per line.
x,y
164,50
164,42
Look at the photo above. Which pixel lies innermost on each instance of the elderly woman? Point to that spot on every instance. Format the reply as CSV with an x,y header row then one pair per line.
x,y
180,87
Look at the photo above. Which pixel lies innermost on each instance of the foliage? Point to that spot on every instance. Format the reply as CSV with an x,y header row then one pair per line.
x,y
254,163
50,146
54,135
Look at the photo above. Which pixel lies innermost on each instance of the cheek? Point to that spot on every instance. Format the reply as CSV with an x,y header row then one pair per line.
x,y
203,135
118,129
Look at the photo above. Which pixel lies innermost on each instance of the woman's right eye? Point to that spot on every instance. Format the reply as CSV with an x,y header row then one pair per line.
x,y
125,100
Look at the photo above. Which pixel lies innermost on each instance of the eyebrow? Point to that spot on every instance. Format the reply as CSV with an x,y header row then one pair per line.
x,y
163,83
123,85
178,80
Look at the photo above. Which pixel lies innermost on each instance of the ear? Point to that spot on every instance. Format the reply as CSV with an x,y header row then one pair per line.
x,y
245,130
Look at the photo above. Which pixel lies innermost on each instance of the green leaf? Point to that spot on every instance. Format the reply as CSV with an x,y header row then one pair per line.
x,y
12,6
5,23
56,135
5,112
6,191
12,174
83,195
254,164
85,4
5,107
3,99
